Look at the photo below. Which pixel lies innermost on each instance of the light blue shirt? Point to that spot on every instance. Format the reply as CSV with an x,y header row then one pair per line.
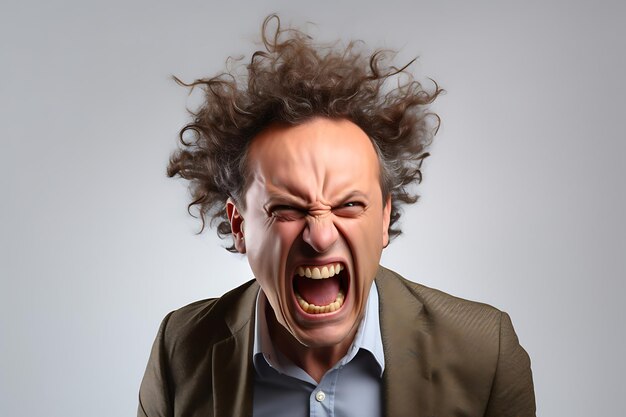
x,y
351,388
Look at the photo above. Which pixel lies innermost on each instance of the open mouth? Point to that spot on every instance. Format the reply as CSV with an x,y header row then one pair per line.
x,y
322,288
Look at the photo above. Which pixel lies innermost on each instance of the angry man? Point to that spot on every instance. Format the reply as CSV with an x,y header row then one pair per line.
x,y
303,160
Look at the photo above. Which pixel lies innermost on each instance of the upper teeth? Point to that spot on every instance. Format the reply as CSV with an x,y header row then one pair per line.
x,y
317,272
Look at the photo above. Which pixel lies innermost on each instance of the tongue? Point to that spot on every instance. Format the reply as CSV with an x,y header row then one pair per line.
x,y
320,292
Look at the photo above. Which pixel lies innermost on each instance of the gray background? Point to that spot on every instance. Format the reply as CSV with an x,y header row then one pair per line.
x,y
523,199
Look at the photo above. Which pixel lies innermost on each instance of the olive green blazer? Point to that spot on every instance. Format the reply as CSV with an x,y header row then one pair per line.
x,y
444,357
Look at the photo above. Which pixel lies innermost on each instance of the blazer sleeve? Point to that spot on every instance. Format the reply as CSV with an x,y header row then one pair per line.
x,y
154,393
512,392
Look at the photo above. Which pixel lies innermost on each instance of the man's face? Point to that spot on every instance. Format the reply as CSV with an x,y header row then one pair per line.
x,y
314,226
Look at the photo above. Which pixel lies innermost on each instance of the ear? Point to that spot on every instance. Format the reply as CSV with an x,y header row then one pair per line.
x,y
236,225
386,221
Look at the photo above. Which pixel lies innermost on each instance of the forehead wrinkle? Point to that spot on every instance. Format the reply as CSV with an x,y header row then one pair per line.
x,y
343,186
322,182
292,190
302,170
287,195
290,161
319,160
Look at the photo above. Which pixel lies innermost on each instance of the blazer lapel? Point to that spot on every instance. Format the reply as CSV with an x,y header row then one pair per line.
x,y
407,387
233,371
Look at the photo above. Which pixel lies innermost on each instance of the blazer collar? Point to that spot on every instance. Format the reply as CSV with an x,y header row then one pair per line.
x,y
233,372
407,388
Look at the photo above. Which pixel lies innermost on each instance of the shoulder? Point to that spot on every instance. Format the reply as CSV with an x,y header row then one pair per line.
x,y
433,301
462,326
180,367
475,339
469,348
211,320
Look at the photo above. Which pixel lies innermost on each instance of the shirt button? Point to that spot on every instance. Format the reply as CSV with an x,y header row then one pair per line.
x,y
320,396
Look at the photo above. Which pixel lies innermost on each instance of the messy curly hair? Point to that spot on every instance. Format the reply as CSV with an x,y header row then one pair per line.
x,y
291,81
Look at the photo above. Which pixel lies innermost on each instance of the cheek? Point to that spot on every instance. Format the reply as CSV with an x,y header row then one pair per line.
x,y
282,236
365,239
268,248
370,233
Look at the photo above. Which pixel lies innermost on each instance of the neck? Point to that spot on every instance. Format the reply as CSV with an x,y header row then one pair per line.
x,y
315,361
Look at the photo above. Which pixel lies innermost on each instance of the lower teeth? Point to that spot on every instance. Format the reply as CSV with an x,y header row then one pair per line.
x,y
313,309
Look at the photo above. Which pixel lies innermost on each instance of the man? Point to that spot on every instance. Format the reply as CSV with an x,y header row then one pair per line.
x,y
304,160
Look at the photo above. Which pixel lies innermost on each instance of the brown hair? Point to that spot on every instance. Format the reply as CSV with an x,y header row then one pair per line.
x,y
291,81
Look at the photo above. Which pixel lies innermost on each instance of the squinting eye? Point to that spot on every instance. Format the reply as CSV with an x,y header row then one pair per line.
x,y
349,209
287,213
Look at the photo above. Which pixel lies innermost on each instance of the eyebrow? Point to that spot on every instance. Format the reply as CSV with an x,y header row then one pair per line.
x,y
354,194
288,199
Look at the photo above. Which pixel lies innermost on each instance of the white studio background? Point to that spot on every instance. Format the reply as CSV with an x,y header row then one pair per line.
x,y
523,199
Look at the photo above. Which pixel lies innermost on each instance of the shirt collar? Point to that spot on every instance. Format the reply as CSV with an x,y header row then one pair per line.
x,y
368,336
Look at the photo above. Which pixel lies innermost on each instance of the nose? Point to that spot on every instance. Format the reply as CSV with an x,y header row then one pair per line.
x,y
320,233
